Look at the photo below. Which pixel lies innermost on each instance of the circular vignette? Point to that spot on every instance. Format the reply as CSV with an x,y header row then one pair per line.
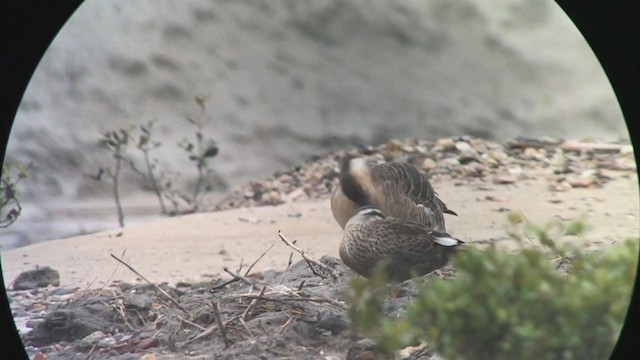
x,y
28,28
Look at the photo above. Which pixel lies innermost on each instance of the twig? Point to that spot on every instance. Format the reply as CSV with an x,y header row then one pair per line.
x,y
285,324
112,273
249,309
192,323
255,262
154,285
239,277
91,352
240,266
208,331
262,328
309,259
287,298
224,284
287,269
216,310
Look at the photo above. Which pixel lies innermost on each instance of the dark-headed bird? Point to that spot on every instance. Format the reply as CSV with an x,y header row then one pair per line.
x,y
397,189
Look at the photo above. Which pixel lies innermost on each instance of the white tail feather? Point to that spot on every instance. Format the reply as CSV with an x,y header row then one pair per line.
x,y
447,241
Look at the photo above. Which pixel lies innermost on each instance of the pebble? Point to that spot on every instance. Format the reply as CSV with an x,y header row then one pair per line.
x,y
446,143
581,182
37,278
91,339
464,147
428,164
504,180
448,159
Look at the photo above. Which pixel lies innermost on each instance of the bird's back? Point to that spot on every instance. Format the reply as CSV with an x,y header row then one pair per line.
x,y
407,247
407,194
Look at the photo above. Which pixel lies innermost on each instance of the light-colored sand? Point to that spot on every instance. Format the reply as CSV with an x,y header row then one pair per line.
x,y
196,246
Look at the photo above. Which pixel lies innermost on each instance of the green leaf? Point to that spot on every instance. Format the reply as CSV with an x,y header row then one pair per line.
x,y
211,151
143,140
201,100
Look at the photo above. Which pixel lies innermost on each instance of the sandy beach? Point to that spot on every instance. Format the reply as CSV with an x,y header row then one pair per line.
x,y
198,246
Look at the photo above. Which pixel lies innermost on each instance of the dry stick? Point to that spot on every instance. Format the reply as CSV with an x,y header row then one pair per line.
x,y
255,262
112,273
262,328
240,266
91,352
225,284
249,309
154,285
309,259
239,277
287,269
285,324
216,309
288,298
209,330
192,323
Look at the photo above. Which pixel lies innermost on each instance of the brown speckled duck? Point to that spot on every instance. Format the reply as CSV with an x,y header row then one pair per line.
x,y
410,248
397,189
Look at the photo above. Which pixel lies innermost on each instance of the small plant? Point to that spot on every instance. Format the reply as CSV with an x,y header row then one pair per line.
x,y
160,181
10,208
506,306
200,150
116,141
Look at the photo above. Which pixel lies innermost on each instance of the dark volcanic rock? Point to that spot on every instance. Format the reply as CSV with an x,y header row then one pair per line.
x,y
33,279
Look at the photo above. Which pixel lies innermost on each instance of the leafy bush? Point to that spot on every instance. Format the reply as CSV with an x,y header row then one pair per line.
x,y
514,306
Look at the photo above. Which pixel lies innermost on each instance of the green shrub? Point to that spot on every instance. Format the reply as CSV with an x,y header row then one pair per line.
x,y
515,306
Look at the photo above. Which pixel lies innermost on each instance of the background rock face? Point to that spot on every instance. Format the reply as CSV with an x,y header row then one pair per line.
x,y
291,78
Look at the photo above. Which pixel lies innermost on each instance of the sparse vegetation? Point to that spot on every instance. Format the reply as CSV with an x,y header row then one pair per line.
x,y
10,208
536,304
115,141
161,181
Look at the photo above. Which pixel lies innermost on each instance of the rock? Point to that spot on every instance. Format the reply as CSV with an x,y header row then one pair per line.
x,y
106,342
148,343
464,147
151,356
361,350
62,291
504,180
88,341
40,277
394,145
446,144
140,302
581,182
332,320
428,164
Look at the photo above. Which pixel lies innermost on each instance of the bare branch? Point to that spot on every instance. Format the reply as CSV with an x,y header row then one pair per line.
x,y
284,274
216,309
309,259
154,285
255,262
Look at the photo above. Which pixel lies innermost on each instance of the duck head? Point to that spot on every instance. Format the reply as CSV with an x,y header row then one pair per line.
x,y
355,179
